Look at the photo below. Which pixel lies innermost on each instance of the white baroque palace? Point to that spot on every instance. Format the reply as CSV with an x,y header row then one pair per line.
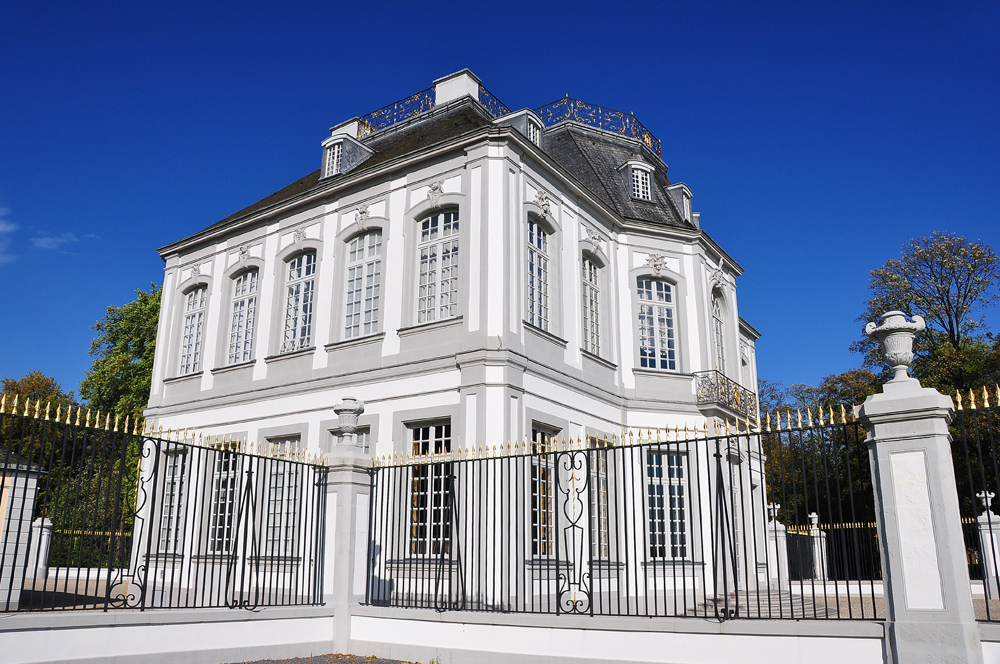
x,y
474,275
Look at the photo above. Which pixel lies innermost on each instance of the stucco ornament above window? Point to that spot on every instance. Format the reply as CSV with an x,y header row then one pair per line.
x,y
542,201
435,191
657,262
244,254
594,239
196,270
361,217
298,236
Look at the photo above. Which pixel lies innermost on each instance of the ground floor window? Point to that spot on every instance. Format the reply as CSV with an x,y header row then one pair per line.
x,y
667,515
431,491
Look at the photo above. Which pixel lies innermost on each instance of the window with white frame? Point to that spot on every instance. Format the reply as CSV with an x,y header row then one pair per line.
x,y
194,329
361,437
534,133
224,488
718,328
599,531
364,283
430,491
657,336
172,509
640,184
333,158
244,317
300,286
284,497
591,306
542,491
538,275
437,289
666,491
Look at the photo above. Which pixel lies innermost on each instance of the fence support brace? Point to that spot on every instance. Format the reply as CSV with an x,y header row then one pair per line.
x,y
928,601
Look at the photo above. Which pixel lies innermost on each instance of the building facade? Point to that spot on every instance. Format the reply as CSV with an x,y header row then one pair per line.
x,y
474,275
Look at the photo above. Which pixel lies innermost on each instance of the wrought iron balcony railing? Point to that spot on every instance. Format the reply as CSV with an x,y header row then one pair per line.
x,y
495,107
714,387
403,109
593,115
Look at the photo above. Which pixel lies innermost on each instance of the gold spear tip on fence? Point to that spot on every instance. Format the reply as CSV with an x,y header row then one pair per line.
x,y
958,394
972,399
986,398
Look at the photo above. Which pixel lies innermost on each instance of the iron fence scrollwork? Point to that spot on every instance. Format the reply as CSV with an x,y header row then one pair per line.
x,y
403,109
618,122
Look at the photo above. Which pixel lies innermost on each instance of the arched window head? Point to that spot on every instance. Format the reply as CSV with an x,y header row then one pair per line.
x,y
300,287
657,324
718,332
193,331
437,289
364,283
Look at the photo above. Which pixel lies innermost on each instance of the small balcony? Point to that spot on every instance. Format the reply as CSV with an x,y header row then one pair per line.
x,y
714,387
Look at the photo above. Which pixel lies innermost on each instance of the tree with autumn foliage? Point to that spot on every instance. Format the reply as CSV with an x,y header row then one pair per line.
x,y
37,387
950,281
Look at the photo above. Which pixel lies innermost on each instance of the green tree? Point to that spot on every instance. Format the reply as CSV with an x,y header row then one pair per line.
x,y
950,281
121,374
37,387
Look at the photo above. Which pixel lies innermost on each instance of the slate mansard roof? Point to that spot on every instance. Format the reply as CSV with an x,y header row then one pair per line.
x,y
591,156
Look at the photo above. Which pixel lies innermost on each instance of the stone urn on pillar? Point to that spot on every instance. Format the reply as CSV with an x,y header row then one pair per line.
x,y
896,336
348,412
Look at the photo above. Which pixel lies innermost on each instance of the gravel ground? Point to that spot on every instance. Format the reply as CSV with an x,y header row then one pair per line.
x,y
332,658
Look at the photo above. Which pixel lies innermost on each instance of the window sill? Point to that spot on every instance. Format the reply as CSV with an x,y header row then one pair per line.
x,y
548,336
234,367
433,325
290,355
355,341
640,371
599,360
181,379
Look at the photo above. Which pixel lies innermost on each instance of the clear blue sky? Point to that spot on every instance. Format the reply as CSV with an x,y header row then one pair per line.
x,y
816,137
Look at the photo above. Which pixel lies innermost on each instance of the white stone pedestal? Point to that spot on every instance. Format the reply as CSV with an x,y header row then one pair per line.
x,y
989,544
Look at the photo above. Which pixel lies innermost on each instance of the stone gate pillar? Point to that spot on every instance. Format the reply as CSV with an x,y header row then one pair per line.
x,y
928,598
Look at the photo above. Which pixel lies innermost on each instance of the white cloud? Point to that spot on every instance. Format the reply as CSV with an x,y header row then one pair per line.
x,y
53,241
7,227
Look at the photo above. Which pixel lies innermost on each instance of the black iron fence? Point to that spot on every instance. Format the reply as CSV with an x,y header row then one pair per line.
x,y
659,524
94,515
975,433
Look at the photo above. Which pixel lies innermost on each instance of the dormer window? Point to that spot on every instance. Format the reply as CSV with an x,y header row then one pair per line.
x,y
534,133
333,159
640,184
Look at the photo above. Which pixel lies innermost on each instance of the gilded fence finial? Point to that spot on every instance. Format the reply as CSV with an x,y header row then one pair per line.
x,y
986,398
843,414
959,396
809,416
831,415
107,422
3,403
59,412
705,425
972,399
116,422
38,405
727,427
48,404
799,413
88,419
768,424
13,408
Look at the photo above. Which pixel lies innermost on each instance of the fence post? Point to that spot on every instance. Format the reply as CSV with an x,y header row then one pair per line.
x,y
928,597
348,487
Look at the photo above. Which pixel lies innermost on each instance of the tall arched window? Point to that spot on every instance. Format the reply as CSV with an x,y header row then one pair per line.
x,y
437,294
718,330
591,306
300,286
364,282
538,275
244,317
193,332
657,336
